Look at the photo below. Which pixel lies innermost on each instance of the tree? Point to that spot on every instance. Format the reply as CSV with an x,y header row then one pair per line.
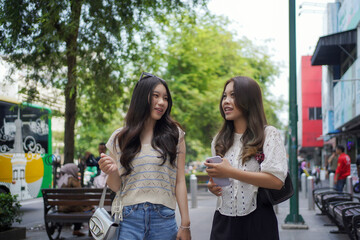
x,y
80,47
196,57
200,56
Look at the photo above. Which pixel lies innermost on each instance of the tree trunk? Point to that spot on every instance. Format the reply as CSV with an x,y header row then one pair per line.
x,y
70,88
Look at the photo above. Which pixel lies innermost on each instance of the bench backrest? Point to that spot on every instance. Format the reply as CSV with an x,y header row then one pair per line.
x,y
75,196
202,178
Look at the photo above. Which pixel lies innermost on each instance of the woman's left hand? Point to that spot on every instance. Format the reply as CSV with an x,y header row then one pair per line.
x,y
183,234
219,170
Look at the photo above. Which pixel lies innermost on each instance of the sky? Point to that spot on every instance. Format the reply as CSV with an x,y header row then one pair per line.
x,y
266,23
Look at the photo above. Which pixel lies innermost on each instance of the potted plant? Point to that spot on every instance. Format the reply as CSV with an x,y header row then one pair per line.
x,y
10,213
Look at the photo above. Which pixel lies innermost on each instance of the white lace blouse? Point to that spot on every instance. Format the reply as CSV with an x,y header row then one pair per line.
x,y
239,198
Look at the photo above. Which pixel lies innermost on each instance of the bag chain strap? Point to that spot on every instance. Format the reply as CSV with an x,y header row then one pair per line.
x,y
118,207
102,199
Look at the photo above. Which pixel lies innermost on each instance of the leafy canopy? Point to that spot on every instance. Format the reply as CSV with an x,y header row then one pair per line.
x,y
81,48
196,56
200,57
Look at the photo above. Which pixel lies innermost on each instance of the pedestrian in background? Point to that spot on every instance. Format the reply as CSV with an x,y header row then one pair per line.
x,y
146,165
100,179
253,156
82,167
358,165
69,179
332,162
101,149
343,168
91,168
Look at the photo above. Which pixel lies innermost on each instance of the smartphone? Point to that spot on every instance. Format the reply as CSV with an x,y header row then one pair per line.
x,y
222,182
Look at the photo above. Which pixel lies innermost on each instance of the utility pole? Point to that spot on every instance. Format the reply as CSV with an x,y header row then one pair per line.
x,y
293,219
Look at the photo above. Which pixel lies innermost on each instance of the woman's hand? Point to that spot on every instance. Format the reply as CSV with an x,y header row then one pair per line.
x,y
183,234
107,164
213,188
219,170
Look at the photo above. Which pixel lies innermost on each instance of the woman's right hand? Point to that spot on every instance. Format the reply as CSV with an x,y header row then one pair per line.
x,y
107,164
213,188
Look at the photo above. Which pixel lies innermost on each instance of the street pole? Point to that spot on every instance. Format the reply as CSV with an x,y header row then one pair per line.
x,y
293,219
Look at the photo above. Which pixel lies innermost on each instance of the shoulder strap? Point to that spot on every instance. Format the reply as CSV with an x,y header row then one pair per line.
x,y
117,206
102,199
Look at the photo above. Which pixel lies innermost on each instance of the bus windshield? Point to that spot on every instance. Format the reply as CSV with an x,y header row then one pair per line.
x,y
25,147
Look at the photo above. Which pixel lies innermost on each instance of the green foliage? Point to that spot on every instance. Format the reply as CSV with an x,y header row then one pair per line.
x,y
90,133
201,55
95,52
81,48
57,140
196,57
9,211
187,178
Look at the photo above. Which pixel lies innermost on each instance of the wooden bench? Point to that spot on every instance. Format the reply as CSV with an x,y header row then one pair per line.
x,y
323,197
347,216
356,226
53,198
342,214
343,209
202,181
334,207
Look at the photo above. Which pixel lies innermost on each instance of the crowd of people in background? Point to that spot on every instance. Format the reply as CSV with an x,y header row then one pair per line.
x,y
88,165
88,171
74,176
338,163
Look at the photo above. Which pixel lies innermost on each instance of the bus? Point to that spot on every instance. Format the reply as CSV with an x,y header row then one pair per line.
x,y
25,149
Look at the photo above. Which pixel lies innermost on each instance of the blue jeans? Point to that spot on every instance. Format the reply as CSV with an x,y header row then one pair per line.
x,y
340,185
147,221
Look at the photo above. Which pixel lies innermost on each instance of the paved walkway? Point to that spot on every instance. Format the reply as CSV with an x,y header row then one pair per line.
x,y
201,219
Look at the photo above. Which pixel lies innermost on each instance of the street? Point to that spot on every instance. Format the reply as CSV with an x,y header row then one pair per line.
x,y
33,211
201,220
33,219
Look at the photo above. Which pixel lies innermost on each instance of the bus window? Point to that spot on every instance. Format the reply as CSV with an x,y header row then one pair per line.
x,y
22,174
15,175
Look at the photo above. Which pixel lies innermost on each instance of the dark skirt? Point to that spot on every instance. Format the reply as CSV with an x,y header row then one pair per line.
x,y
260,224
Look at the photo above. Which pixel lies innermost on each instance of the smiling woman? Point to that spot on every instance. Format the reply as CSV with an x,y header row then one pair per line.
x,y
146,166
159,102
244,141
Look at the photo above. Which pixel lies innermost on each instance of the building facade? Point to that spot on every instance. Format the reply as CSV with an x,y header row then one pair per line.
x,y
311,112
338,54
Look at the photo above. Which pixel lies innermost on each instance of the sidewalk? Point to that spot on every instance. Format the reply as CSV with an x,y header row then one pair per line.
x,y
316,229
201,220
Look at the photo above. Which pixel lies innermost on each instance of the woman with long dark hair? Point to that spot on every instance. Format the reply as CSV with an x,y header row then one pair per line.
x,y
253,155
146,166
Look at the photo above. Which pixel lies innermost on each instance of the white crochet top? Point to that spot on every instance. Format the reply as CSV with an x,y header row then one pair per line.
x,y
239,198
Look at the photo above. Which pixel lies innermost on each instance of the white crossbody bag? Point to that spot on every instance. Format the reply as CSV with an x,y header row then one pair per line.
x,y
101,224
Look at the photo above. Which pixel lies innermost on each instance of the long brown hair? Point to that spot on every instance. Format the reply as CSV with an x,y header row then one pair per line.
x,y
248,99
166,132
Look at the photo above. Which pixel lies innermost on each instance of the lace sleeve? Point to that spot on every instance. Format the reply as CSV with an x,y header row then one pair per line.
x,y
275,161
181,135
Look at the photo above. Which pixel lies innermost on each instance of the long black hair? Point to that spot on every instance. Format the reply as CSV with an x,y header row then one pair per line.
x,y
248,99
166,132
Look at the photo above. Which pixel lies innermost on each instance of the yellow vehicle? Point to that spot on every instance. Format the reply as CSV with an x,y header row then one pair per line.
x,y
25,149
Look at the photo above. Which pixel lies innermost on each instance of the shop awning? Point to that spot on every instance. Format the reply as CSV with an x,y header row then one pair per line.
x,y
329,48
